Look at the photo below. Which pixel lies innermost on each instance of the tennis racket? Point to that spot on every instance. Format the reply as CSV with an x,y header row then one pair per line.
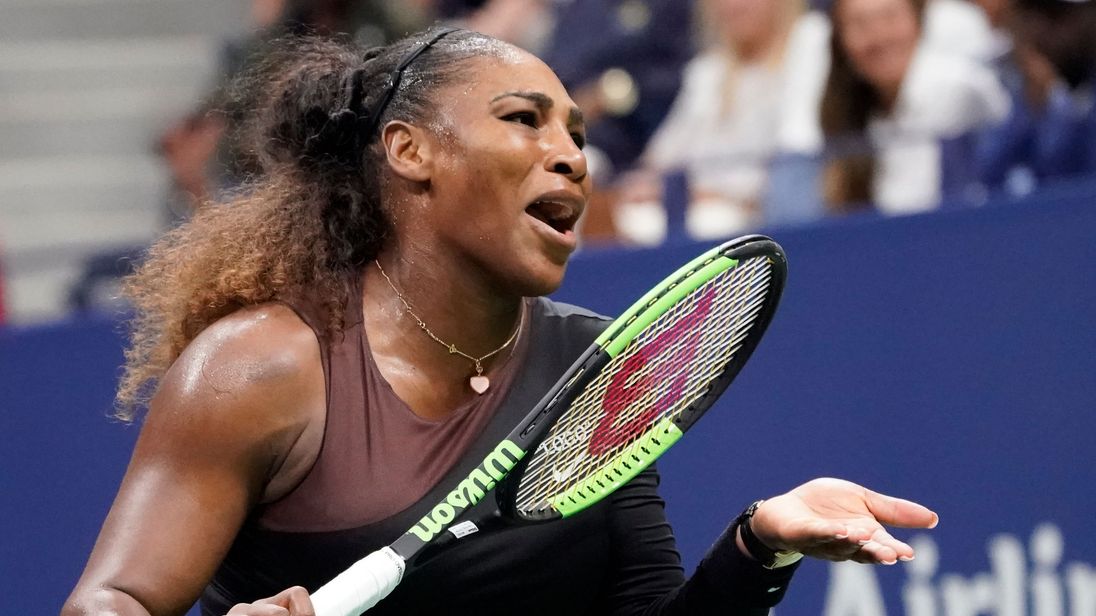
x,y
644,382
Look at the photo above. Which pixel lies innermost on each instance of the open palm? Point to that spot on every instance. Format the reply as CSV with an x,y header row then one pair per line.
x,y
839,520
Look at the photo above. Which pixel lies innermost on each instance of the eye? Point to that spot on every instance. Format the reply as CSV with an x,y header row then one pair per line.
x,y
528,118
580,140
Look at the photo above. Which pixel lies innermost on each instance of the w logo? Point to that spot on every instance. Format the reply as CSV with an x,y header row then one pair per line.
x,y
663,362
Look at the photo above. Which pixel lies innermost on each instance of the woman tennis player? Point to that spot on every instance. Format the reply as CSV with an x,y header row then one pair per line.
x,y
325,349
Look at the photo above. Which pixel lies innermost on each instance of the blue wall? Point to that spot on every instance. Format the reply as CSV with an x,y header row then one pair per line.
x,y
949,358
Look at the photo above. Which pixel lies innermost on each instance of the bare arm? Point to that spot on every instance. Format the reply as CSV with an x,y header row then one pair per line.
x,y
236,421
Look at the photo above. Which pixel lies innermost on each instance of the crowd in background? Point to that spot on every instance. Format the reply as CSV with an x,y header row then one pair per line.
x,y
714,117
731,114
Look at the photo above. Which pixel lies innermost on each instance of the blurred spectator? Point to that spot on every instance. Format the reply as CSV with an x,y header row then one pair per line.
x,y
1050,73
898,114
949,27
199,148
722,127
997,14
189,147
98,289
621,60
959,26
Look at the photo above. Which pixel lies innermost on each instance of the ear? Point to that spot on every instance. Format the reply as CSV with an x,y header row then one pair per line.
x,y
408,150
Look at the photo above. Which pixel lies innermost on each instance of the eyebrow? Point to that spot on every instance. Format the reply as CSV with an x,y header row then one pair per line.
x,y
544,103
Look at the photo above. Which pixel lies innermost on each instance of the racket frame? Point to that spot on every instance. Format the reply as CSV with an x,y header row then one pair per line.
x,y
615,339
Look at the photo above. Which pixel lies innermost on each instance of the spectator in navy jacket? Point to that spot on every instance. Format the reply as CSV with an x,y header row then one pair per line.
x,y
1051,77
622,62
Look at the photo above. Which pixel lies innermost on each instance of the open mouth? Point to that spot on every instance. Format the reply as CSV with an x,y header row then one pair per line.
x,y
559,216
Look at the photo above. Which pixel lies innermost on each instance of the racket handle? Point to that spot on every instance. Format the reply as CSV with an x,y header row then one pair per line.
x,y
361,586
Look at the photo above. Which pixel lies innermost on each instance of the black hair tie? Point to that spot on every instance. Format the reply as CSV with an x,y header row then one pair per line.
x,y
342,134
335,135
394,79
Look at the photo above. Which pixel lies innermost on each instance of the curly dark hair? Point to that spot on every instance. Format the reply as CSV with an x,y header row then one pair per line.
x,y
311,216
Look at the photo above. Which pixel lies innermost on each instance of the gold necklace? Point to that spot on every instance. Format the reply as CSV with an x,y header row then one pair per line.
x,y
477,381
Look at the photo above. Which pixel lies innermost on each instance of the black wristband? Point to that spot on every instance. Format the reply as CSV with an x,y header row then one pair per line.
x,y
768,557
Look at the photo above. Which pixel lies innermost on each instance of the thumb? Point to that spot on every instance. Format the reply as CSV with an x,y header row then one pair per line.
x,y
899,511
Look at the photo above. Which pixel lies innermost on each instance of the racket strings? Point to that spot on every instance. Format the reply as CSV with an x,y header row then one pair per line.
x,y
658,376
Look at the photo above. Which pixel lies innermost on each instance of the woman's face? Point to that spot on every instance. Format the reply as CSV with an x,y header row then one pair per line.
x,y
509,178
879,37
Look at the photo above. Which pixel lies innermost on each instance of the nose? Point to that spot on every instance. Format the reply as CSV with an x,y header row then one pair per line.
x,y
565,157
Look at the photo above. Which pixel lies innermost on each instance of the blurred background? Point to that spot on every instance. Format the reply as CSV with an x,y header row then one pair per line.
x,y
708,118
929,165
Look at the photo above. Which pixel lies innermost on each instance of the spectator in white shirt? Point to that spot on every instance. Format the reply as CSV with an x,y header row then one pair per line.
x,y
896,110
722,128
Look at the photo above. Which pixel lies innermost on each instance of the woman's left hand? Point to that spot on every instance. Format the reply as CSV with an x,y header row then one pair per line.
x,y
290,602
839,520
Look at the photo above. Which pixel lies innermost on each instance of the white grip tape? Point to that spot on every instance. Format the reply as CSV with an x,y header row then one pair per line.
x,y
361,586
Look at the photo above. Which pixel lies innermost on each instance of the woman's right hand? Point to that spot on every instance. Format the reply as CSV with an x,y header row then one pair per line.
x,y
290,602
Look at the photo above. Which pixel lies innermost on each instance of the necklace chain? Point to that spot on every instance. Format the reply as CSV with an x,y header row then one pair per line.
x,y
452,348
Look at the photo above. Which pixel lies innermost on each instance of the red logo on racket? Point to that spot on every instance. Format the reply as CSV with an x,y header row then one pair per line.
x,y
670,370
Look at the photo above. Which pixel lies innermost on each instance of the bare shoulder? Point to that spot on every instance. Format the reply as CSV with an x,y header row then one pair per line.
x,y
260,346
252,383
233,424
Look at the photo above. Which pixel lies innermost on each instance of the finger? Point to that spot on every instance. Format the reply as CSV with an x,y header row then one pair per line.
x,y
840,551
900,512
300,604
859,535
875,552
292,601
862,557
901,550
840,546
865,545
832,540
815,531
258,609
281,599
